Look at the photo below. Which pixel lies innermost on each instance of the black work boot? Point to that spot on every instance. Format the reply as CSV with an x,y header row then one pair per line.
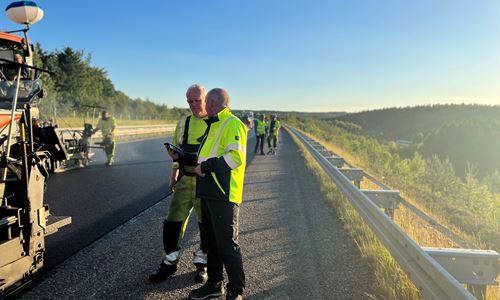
x,y
207,291
201,273
163,272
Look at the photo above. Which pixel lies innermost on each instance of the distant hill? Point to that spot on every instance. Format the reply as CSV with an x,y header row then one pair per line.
x,y
319,115
463,133
410,122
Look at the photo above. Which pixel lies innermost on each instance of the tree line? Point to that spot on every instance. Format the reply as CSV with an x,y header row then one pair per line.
x,y
78,84
467,135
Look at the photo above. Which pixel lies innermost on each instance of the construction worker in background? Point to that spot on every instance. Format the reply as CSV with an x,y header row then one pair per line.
x,y
107,126
260,133
220,176
274,127
187,137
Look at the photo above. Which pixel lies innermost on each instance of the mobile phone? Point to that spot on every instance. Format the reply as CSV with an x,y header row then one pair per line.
x,y
174,148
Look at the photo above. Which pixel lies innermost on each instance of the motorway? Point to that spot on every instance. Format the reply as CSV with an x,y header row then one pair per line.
x,y
100,198
293,244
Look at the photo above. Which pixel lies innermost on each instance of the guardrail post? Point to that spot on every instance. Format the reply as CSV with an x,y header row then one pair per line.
x,y
354,174
337,161
386,199
475,268
479,291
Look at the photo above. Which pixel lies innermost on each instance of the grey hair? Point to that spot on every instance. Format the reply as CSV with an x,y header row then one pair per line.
x,y
197,87
220,97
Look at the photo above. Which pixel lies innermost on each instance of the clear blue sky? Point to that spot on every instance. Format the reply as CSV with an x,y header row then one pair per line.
x,y
288,55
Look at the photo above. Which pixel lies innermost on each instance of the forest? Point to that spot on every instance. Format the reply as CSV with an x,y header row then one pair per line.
x,y
467,135
78,84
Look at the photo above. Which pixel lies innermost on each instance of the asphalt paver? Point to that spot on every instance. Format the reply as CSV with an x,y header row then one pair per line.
x,y
293,245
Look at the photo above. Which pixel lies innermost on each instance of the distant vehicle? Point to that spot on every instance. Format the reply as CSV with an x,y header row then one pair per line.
x,y
25,220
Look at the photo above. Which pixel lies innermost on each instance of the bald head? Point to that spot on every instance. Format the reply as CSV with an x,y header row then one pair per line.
x,y
217,100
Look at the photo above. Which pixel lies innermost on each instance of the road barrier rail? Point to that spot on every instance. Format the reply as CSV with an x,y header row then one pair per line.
x,y
437,272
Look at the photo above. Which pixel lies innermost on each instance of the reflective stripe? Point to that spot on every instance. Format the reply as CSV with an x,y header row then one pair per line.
x,y
237,147
202,159
218,184
172,258
230,162
213,151
200,257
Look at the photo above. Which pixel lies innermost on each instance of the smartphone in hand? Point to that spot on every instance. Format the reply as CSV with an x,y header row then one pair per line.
x,y
174,148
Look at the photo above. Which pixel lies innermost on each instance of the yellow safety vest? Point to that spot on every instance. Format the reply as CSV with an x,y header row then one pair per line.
x,y
260,127
222,157
106,125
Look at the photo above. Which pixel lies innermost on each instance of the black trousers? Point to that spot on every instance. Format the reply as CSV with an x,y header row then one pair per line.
x,y
260,141
171,236
221,225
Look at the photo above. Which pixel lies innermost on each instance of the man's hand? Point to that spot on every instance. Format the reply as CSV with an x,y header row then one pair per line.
x,y
172,154
171,186
173,179
198,171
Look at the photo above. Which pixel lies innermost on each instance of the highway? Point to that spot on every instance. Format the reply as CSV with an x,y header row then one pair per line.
x,y
294,246
100,198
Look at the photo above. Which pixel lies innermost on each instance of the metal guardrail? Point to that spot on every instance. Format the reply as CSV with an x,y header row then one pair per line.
x,y
430,277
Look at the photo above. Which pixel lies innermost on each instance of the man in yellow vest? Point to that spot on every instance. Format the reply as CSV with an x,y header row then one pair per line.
x,y
260,133
107,125
221,171
274,127
187,137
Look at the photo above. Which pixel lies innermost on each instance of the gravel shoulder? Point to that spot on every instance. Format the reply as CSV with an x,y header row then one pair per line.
x,y
294,246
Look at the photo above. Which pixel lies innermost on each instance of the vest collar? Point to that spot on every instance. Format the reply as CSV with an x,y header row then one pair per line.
x,y
219,116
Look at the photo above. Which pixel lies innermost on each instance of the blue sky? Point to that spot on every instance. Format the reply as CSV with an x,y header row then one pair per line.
x,y
288,55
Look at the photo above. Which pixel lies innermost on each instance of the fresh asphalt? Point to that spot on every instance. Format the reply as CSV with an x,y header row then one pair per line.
x,y
100,198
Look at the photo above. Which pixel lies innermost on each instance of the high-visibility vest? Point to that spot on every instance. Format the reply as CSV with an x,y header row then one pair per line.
x,y
274,127
223,150
106,125
189,134
260,127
